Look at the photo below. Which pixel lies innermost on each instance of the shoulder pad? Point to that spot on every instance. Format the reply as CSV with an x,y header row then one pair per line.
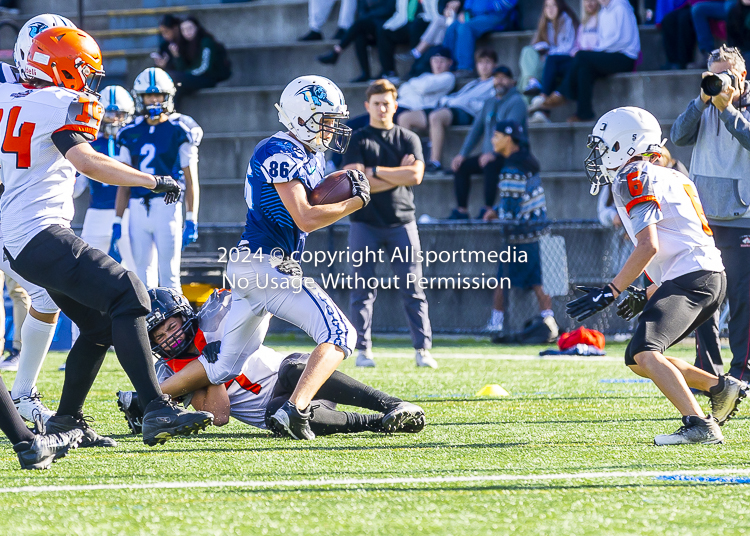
x,y
193,129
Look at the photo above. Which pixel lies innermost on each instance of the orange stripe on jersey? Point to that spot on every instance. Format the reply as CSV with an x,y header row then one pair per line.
x,y
642,199
79,128
200,340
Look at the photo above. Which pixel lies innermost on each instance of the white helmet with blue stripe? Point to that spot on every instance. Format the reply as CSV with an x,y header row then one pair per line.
x,y
31,29
312,108
154,81
118,109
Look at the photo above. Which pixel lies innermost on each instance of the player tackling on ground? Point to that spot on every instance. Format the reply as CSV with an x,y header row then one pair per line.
x,y
282,170
268,378
662,215
46,125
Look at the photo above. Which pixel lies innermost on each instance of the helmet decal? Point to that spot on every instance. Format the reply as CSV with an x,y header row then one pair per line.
x,y
37,28
317,94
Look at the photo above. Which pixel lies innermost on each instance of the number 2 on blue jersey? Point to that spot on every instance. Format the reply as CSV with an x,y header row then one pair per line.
x,y
148,151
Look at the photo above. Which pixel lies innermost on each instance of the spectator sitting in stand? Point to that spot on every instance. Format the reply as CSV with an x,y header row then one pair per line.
x,y
554,39
522,206
677,31
419,96
407,25
478,18
738,26
371,15
507,104
703,13
317,15
202,61
557,66
169,30
618,48
458,108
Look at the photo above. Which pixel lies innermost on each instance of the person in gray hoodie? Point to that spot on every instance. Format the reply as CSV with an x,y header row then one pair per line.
x,y
507,105
719,127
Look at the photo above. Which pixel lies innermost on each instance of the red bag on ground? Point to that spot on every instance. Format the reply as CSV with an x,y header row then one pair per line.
x,y
581,336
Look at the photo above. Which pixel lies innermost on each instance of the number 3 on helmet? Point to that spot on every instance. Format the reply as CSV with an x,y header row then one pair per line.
x,y
65,57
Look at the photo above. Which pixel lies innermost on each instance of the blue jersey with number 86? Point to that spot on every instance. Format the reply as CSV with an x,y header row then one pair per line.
x,y
269,225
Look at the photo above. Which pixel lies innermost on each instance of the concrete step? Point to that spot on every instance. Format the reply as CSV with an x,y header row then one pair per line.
x,y
260,52
664,93
560,147
222,200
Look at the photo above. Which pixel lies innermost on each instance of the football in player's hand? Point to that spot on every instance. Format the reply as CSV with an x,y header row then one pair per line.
x,y
334,188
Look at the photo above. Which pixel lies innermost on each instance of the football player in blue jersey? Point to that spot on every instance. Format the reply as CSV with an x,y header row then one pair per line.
x,y
159,141
264,273
98,223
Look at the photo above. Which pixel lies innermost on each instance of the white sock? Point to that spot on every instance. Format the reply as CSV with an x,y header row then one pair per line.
x,y
497,317
37,338
416,53
547,312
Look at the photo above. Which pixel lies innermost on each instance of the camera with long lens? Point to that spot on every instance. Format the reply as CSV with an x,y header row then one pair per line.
x,y
713,84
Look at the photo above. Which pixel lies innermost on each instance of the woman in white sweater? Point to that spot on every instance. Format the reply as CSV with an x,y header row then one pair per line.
x,y
555,36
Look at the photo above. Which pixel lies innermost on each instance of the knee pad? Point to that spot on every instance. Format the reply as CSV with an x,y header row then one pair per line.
x,y
133,300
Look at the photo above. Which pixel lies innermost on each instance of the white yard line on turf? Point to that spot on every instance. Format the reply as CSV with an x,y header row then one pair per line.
x,y
505,357
376,481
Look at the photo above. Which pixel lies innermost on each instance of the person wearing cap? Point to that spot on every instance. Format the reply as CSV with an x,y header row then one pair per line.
x,y
507,104
418,96
391,158
523,210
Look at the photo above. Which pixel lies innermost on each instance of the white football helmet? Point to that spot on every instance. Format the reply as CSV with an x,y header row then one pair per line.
x,y
154,81
29,30
618,136
118,109
312,108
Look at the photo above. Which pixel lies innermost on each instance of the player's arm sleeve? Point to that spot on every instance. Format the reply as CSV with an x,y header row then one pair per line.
x,y
279,167
645,214
188,155
65,140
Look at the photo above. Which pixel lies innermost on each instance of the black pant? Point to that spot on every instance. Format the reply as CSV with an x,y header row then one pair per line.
x,y
338,389
490,172
675,310
678,36
362,33
108,304
587,66
387,41
736,258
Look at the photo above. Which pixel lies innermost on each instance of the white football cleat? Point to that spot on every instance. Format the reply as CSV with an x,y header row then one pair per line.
x,y
365,359
424,359
31,407
693,430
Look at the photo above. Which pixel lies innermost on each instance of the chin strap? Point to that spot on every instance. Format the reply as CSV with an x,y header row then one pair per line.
x,y
594,189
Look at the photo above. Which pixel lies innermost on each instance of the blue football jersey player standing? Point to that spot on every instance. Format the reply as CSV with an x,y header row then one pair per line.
x,y
160,141
265,276
98,223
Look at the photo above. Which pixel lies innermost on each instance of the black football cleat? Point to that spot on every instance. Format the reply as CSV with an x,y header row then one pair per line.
x,y
64,423
289,421
127,402
163,419
46,449
404,417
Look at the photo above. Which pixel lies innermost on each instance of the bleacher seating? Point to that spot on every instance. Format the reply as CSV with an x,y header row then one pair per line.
x,y
261,38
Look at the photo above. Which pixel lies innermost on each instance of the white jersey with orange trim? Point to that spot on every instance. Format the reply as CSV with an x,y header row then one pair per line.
x,y
38,180
644,194
250,392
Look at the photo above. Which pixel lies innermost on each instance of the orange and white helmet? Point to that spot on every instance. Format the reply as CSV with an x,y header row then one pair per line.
x,y
65,57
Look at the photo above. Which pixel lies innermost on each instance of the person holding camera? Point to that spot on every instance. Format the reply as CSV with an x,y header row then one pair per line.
x,y
717,122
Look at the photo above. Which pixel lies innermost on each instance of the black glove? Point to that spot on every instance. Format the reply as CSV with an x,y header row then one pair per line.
x,y
594,301
633,304
169,186
211,351
360,185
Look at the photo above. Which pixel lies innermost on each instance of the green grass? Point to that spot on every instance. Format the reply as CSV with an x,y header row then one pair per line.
x,y
560,418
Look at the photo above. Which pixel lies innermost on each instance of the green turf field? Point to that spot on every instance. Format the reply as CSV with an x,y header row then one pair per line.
x,y
561,420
